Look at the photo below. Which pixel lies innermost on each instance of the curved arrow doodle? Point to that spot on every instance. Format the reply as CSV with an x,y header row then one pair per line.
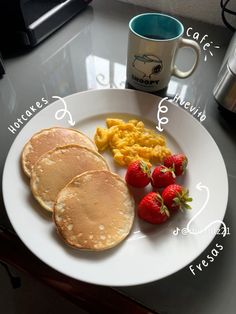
x,y
60,114
186,230
161,109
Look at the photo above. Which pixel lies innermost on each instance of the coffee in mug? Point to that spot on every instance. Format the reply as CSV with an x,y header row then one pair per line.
x,y
154,40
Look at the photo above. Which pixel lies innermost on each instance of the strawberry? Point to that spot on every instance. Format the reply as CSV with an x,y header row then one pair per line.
x,y
178,162
176,197
138,174
152,209
162,177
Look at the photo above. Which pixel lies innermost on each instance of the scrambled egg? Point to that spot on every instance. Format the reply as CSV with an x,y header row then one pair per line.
x,y
131,141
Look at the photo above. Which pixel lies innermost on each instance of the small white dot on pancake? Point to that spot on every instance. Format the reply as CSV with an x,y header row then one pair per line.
x,y
109,242
49,204
120,231
60,207
91,236
102,237
80,235
58,218
98,245
101,227
48,162
87,179
30,147
35,186
70,227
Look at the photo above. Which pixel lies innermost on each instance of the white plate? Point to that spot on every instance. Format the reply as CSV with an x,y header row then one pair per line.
x,y
150,252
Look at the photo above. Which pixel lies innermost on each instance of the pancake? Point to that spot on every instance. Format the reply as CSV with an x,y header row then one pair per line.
x,y
47,139
57,167
95,211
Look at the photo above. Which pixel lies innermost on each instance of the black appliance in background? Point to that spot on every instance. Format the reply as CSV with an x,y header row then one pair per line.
x,y
2,71
28,22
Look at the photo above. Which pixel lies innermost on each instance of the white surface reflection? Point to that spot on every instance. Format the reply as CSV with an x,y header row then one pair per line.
x,y
172,88
7,94
103,73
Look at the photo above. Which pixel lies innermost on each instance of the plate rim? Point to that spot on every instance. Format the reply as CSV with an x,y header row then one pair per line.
x,y
188,115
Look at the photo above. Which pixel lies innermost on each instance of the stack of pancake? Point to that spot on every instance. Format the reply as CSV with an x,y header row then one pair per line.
x,y
92,207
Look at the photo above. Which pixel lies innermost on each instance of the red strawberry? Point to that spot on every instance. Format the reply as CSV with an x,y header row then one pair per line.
x,y
162,177
152,209
138,174
176,197
178,162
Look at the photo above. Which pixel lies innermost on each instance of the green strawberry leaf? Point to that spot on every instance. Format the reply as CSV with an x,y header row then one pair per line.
x,y
182,199
177,200
184,164
163,208
164,170
166,211
186,206
160,199
145,168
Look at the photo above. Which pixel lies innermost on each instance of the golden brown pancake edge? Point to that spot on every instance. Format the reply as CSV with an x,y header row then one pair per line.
x,y
33,178
28,143
90,247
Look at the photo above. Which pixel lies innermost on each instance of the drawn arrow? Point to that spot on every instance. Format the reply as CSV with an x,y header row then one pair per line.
x,y
60,114
163,120
201,187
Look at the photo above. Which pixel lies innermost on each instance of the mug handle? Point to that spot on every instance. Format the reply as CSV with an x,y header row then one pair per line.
x,y
192,44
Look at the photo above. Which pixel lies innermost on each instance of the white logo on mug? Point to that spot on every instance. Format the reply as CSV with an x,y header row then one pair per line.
x,y
152,65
